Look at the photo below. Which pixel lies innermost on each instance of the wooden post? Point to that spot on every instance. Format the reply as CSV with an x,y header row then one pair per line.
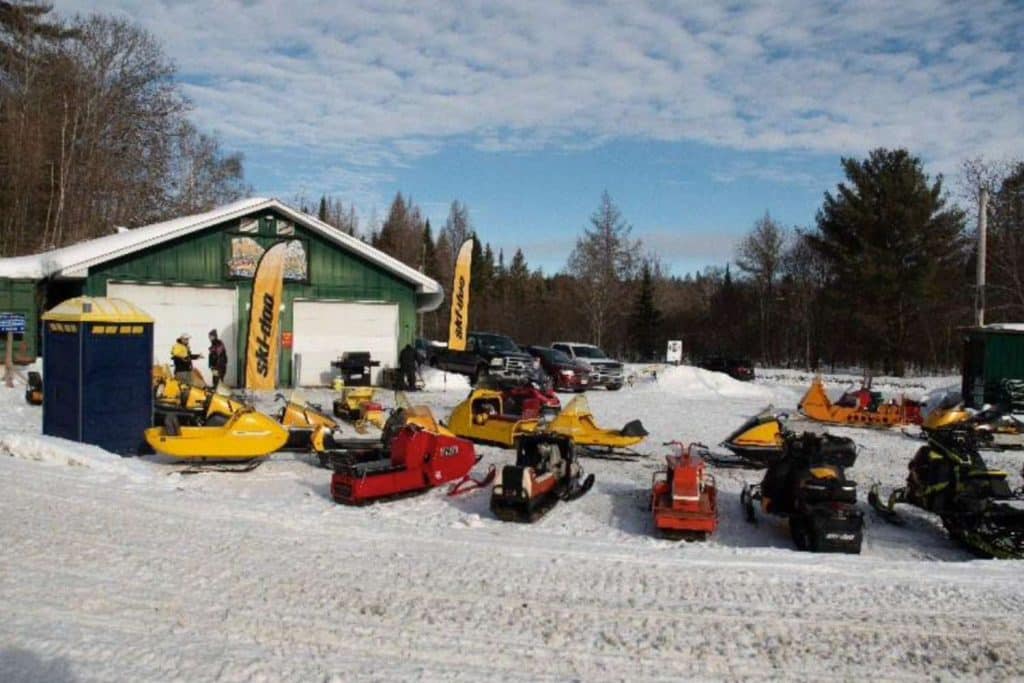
x,y
9,360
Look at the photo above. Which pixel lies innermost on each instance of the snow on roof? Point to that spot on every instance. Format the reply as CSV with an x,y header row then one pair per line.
x,y
1006,327
75,260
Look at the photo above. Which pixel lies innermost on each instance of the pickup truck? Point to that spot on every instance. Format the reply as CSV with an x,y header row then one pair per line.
x,y
486,354
604,371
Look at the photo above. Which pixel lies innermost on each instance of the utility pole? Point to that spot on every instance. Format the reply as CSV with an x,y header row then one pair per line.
x,y
979,294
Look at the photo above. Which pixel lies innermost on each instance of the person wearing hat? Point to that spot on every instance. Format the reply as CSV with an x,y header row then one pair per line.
x,y
182,357
218,358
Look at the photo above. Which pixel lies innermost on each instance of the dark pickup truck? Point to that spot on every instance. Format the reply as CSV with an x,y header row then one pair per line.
x,y
486,354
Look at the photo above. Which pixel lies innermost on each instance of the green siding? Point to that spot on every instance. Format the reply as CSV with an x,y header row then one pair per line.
x,y
991,357
334,274
19,296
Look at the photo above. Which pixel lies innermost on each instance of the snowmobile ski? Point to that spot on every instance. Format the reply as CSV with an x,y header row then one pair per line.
x,y
225,467
469,483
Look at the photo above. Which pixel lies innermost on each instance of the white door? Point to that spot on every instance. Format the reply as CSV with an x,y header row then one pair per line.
x,y
323,330
193,310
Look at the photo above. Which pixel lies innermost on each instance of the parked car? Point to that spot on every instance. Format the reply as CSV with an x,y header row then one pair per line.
x,y
566,374
604,371
737,368
486,354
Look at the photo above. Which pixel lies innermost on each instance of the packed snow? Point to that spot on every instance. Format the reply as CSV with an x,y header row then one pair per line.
x,y
127,569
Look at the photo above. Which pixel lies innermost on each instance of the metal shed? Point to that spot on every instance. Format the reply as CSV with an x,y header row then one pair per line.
x,y
992,355
97,373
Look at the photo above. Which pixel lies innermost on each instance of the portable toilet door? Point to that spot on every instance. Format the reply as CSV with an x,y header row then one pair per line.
x,y
97,373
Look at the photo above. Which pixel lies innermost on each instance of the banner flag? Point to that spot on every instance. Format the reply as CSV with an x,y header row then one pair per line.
x,y
458,328
261,348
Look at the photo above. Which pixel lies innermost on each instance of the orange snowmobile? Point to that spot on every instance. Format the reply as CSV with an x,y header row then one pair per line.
x,y
860,408
684,498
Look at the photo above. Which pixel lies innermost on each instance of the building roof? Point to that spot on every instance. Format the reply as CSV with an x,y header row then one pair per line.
x,y
75,260
97,309
1009,328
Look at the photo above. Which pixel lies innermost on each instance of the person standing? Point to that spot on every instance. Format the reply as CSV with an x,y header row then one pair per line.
x,y
407,364
218,359
182,357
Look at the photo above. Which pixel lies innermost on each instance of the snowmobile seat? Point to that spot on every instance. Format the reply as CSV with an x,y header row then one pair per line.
x,y
838,450
633,428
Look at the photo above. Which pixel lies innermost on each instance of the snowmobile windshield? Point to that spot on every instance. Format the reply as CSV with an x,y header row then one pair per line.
x,y
495,342
589,352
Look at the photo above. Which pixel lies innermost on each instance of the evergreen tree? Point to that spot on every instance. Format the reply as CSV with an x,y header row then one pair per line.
x,y
322,213
891,243
646,319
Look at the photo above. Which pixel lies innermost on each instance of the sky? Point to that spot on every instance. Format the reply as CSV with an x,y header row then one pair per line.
x,y
696,117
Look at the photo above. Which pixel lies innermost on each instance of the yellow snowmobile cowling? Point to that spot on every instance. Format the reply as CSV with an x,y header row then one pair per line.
x,y
816,405
577,422
481,417
943,419
247,435
758,437
298,413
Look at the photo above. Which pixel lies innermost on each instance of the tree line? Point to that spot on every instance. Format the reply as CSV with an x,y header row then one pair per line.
x,y
94,132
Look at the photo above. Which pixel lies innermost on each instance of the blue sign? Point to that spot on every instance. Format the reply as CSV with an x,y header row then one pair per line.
x,y
12,322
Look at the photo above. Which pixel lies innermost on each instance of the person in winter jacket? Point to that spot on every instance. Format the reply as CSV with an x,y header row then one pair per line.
x,y
407,364
218,359
182,357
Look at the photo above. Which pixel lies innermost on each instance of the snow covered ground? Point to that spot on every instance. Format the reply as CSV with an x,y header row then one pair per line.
x,y
124,569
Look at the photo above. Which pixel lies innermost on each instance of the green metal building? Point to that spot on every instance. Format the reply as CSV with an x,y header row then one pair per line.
x,y
194,274
992,354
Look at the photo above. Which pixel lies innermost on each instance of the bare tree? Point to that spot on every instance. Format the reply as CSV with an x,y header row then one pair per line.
x,y
604,259
759,255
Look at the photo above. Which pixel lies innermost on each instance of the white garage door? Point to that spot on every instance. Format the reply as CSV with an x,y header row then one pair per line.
x,y
195,310
323,330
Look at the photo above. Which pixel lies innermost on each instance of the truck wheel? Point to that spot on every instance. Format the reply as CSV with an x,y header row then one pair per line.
x,y
614,387
480,371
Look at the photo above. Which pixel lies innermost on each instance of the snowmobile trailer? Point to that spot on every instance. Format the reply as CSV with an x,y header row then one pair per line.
x,y
808,486
684,497
546,471
948,477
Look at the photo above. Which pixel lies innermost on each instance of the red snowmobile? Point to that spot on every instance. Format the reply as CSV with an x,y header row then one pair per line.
x,y
546,471
524,396
684,498
422,455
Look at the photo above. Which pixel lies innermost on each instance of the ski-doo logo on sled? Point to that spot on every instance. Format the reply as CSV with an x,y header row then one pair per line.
x,y
266,329
449,451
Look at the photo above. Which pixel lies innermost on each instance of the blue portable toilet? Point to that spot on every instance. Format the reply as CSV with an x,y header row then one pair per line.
x,y
97,373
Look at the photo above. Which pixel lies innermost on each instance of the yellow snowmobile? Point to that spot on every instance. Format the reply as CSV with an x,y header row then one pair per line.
x,y
482,417
577,422
757,442
861,408
247,436
303,419
356,405
192,405
992,427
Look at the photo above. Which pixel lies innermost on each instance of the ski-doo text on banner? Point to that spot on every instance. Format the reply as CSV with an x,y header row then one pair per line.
x,y
458,328
261,349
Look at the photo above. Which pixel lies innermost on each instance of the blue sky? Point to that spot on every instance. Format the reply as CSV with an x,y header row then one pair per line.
x,y
696,117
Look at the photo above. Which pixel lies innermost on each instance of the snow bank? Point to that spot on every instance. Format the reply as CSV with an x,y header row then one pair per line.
x,y
439,380
693,382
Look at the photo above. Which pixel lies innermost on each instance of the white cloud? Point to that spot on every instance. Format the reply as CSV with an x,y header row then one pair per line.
x,y
379,83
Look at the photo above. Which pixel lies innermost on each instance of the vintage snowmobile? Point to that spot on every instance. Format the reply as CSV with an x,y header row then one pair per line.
x,y
529,400
246,436
483,417
302,418
684,497
421,455
34,389
949,478
577,422
756,443
193,406
992,427
861,408
356,406
546,471
807,484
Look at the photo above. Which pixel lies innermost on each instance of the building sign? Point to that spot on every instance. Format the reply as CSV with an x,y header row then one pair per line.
x,y
12,322
674,352
246,253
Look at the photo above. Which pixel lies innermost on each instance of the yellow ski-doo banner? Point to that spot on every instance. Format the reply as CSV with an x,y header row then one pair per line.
x,y
261,349
458,328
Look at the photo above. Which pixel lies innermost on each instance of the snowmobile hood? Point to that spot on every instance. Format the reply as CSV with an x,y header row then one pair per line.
x,y
761,432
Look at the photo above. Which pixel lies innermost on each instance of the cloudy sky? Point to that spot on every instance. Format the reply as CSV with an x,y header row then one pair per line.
x,y
697,117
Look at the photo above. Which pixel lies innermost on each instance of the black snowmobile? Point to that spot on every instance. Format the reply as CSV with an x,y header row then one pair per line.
x,y
546,471
808,485
949,478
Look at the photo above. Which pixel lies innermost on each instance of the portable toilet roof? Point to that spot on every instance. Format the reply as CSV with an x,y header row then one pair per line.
x,y
97,309
97,370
